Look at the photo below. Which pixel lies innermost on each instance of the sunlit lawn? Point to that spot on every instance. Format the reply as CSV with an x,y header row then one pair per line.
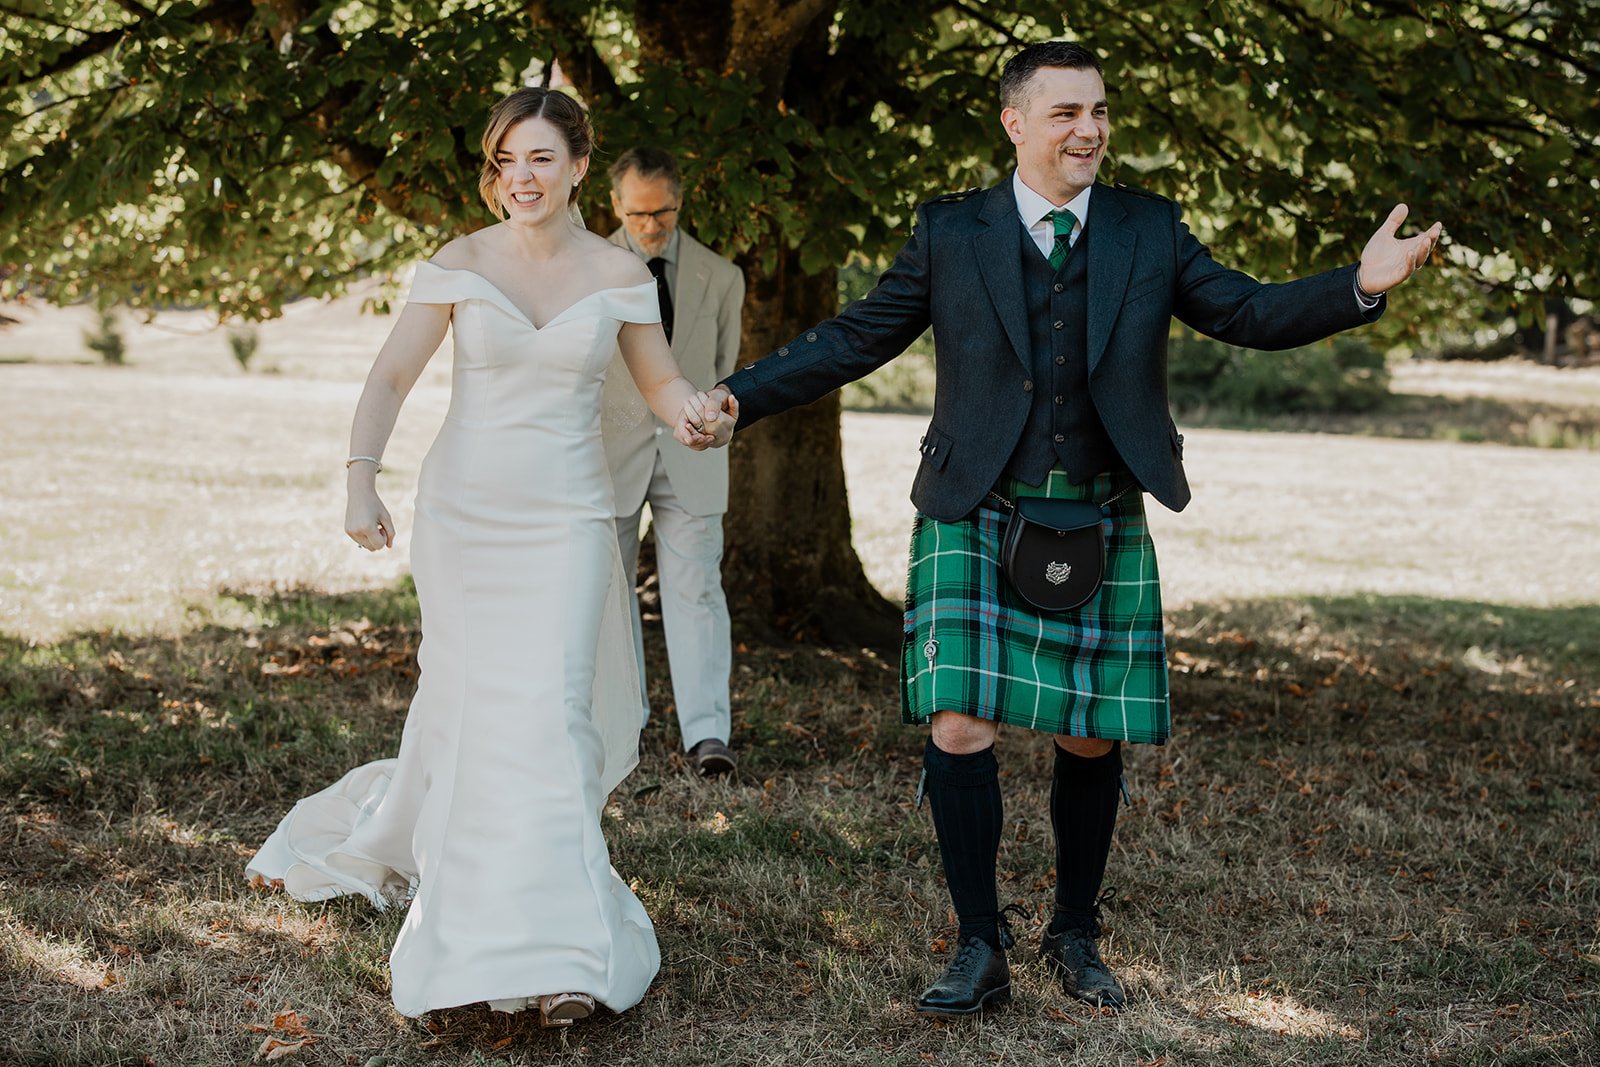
x,y
1374,838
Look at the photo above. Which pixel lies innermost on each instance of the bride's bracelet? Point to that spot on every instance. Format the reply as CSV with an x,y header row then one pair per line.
x,y
374,460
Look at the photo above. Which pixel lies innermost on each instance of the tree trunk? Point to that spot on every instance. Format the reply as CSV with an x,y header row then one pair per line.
x,y
788,566
789,562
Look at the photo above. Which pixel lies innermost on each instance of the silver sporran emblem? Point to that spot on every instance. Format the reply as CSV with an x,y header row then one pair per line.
x,y
1057,573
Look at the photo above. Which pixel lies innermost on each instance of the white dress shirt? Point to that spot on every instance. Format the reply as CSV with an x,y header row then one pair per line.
x,y
1032,209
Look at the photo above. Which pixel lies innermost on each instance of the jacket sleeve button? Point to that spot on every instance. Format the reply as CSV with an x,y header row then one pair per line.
x,y
812,336
784,351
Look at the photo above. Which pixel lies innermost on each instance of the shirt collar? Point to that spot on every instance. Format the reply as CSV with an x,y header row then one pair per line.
x,y
670,254
1031,207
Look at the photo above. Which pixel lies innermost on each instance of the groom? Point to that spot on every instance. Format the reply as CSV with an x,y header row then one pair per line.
x,y
1050,298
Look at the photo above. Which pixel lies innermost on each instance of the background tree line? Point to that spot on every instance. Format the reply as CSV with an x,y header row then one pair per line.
x,y
244,153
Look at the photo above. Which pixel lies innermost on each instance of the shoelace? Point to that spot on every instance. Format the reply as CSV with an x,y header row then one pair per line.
x,y
1083,944
966,963
1007,938
1094,930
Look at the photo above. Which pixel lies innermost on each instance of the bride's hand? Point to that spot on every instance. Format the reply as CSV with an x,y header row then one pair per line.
x,y
702,423
367,521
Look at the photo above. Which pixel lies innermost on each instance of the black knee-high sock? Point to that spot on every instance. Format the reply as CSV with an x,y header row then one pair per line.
x,y
1083,810
964,793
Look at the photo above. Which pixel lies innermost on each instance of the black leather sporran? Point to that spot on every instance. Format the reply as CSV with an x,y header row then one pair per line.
x,y
1054,551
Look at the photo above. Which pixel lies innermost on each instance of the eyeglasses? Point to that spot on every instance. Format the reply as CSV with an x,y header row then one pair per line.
x,y
661,215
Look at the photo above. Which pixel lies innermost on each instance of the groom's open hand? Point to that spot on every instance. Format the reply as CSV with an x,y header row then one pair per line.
x,y
1387,260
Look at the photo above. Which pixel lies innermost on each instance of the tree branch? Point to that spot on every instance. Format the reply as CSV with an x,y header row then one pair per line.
x,y
33,16
93,44
576,51
979,15
42,108
1403,10
764,35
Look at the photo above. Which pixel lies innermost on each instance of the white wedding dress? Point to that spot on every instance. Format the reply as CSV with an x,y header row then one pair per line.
x,y
527,707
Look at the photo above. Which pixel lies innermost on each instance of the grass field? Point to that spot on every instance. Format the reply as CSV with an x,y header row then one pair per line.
x,y
1373,839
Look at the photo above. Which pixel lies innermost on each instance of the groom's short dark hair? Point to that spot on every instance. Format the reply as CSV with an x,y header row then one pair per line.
x,y
1019,70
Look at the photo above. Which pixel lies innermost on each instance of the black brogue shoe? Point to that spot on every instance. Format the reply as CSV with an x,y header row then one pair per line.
x,y
1075,957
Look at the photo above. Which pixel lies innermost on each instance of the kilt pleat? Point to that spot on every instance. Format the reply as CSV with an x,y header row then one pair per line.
x,y
973,646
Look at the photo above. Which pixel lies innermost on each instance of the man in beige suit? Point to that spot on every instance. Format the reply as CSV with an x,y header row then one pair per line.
x,y
701,294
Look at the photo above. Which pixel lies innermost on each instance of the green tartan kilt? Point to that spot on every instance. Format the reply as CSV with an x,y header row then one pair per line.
x,y
973,646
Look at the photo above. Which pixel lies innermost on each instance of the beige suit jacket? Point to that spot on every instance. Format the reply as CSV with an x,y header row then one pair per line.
x,y
705,342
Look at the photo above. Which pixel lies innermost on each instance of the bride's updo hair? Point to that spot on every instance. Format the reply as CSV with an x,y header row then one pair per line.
x,y
557,108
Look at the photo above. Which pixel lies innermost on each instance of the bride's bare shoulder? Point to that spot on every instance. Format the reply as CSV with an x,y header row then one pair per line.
x,y
615,265
463,252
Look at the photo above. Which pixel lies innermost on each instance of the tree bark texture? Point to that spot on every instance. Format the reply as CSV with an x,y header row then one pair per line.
x,y
790,566
789,562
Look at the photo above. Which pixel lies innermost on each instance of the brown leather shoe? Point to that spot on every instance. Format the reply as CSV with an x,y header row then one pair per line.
x,y
711,758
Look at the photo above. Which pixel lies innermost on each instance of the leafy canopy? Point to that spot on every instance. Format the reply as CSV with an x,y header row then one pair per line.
x,y
241,154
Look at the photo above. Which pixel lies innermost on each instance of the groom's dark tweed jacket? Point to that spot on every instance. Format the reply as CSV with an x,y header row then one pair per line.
x,y
961,274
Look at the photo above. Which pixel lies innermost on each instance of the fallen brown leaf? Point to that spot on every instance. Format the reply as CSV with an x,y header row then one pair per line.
x,y
274,1048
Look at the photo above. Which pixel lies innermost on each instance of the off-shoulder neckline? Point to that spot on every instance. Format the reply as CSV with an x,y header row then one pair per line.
x,y
511,305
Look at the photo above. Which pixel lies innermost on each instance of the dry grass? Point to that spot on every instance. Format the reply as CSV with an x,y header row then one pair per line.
x,y
1373,839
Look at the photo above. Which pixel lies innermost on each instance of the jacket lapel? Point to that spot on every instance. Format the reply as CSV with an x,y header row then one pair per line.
x,y
1110,260
1000,264
694,278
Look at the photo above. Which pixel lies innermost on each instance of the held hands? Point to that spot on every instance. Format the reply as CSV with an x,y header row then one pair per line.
x,y
367,521
1387,260
707,419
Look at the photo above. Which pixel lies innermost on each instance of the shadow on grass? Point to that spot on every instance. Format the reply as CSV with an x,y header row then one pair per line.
x,y
1374,836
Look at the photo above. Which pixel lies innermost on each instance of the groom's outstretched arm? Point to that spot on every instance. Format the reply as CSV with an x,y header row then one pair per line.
x,y
860,339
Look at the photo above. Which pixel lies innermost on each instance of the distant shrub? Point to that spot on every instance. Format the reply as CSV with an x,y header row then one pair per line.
x,y
106,339
901,385
1344,375
242,342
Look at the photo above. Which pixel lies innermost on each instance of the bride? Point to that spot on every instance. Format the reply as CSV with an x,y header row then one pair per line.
x,y
526,713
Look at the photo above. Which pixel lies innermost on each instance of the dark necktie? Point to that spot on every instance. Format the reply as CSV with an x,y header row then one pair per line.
x,y
658,267
1064,221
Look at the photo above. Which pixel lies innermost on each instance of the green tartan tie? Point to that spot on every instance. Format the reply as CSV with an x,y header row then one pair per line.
x,y
1064,221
